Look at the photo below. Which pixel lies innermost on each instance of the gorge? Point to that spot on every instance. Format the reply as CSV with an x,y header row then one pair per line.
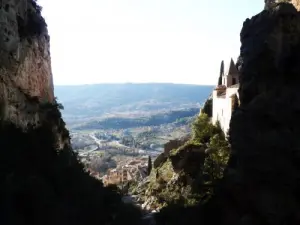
x,y
43,182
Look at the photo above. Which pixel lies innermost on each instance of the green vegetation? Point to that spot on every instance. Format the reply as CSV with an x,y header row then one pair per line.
x,y
191,172
149,165
236,102
221,73
217,150
34,24
146,135
207,108
185,120
204,130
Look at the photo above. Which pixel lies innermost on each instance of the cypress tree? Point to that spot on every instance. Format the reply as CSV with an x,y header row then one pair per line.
x,y
221,73
149,165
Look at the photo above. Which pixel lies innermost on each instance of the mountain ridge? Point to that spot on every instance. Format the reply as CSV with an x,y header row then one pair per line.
x,y
98,100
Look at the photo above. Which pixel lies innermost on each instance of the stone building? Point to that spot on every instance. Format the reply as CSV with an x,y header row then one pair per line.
x,y
225,94
117,176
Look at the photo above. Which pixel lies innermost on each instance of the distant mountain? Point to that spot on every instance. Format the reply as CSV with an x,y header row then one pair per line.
x,y
128,100
180,117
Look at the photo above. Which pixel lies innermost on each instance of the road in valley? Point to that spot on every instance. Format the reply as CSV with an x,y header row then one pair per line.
x,y
117,144
98,142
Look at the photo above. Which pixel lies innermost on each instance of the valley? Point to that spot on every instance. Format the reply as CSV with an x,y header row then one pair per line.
x,y
110,129
104,149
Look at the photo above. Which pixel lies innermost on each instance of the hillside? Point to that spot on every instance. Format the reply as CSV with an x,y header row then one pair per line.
x,y
179,117
84,102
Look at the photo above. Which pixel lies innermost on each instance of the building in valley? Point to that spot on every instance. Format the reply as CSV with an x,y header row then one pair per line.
x,y
135,170
225,95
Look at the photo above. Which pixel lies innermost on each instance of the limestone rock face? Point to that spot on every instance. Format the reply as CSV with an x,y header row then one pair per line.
x,y
169,146
41,179
189,159
271,3
264,173
25,64
174,144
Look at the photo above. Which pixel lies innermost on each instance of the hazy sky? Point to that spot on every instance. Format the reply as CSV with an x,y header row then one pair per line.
x,y
178,41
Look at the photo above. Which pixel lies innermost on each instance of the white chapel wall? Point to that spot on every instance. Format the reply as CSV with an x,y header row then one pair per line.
x,y
222,109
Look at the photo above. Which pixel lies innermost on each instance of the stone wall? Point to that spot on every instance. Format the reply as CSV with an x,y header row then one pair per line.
x,y
222,108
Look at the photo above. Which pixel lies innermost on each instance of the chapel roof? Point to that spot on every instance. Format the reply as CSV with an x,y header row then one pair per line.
x,y
230,68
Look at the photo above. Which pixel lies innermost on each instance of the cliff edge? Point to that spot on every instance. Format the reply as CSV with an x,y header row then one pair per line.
x,y
41,178
25,64
261,181
264,164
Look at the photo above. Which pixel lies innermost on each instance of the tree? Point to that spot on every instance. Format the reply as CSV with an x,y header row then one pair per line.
x,y
235,103
207,108
203,129
149,165
221,73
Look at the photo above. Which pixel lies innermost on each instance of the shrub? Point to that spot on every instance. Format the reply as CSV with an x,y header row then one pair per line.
x,y
195,186
207,108
203,129
217,159
149,165
34,24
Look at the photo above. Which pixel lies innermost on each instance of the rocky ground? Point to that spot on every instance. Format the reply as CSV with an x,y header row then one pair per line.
x,y
148,215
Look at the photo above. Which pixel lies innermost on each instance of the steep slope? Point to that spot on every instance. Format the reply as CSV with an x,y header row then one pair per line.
x,y
264,130
41,183
25,65
261,183
41,180
188,169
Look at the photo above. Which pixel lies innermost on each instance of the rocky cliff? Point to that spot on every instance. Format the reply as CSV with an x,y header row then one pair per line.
x,y
186,171
25,65
264,130
42,182
261,182
41,179
271,3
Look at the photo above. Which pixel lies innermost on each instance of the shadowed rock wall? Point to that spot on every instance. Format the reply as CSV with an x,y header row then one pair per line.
x,y
41,179
264,173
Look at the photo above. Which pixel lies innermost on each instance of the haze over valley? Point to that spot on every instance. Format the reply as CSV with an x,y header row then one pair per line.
x,y
113,123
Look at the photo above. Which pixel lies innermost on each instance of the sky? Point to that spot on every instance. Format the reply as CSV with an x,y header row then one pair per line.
x,y
117,41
